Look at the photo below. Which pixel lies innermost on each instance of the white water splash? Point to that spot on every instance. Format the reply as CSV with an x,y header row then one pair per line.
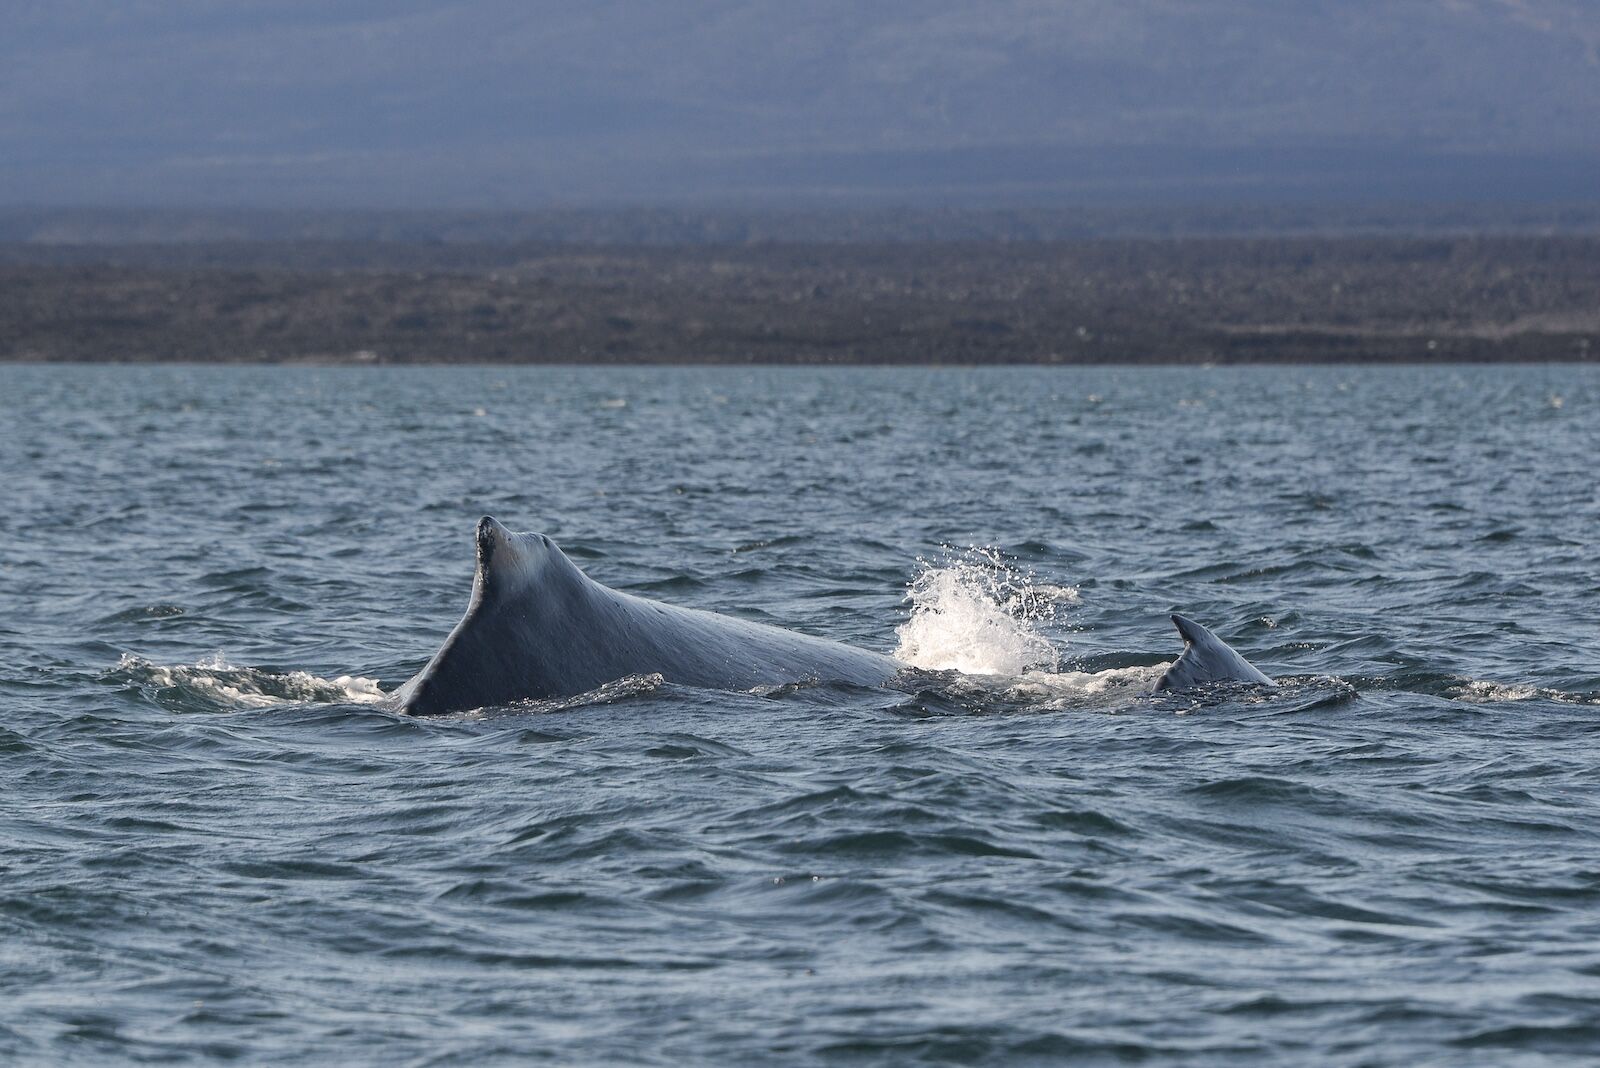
x,y
976,614
216,679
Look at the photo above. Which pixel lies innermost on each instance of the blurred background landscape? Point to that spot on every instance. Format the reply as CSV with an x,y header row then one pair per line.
x,y
1014,181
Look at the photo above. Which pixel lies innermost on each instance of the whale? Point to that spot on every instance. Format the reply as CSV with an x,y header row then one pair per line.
x,y
1207,660
537,627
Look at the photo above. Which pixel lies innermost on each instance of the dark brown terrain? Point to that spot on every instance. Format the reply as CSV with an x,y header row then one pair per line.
x,y
1221,300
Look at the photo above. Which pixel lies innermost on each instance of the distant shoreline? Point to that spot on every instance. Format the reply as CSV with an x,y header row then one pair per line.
x,y
798,365
1447,299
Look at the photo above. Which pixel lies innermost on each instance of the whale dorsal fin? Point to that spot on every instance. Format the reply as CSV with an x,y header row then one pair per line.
x,y
1207,659
513,572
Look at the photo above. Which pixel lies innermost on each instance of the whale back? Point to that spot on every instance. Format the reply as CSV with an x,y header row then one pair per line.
x,y
1207,660
538,627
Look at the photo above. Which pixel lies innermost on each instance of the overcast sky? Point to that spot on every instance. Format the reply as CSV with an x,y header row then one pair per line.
x,y
512,103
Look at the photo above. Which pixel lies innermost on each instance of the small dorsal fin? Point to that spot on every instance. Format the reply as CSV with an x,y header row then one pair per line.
x,y
1207,659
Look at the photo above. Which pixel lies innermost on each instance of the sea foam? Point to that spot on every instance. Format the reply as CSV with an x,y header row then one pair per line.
x,y
215,680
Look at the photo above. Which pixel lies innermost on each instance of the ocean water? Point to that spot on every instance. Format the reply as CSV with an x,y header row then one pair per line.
x,y
217,843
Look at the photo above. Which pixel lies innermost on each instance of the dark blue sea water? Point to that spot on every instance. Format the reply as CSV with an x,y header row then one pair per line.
x,y
217,844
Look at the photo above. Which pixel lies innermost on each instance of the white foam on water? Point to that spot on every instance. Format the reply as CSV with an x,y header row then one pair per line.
x,y
1111,690
974,613
243,687
1063,688
607,693
1485,692
1482,690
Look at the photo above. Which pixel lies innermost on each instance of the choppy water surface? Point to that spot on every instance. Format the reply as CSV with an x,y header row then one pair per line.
x,y
215,841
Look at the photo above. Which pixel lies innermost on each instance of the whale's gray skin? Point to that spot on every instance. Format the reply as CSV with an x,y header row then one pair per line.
x,y
1207,659
538,627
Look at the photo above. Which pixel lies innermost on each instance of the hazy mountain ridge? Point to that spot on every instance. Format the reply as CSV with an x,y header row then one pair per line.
x,y
504,103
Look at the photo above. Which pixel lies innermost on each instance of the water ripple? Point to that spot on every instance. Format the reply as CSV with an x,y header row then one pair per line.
x,y
247,855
